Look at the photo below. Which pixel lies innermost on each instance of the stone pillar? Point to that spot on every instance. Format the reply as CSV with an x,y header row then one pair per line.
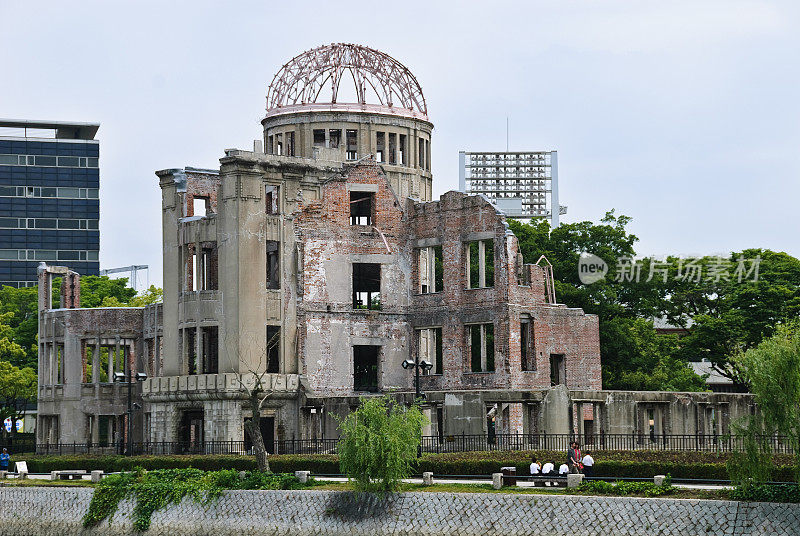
x,y
555,411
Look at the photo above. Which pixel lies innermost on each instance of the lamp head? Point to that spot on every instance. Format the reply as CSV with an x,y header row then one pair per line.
x,y
119,376
141,376
425,365
407,364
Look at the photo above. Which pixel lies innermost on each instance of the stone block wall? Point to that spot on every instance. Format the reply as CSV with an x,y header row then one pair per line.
x,y
58,512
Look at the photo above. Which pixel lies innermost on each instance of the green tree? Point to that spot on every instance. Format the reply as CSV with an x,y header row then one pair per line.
x,y
94,289
22,303
772,370
379,443
10,351
17,389
634,356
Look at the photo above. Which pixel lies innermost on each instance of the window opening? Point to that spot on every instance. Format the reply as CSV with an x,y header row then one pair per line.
x,y
366,286
431,270
392,148
365,368
334,138
557,372
199,206
190,335
430,348
361,204
481,342
403,151
352,144
527,348
480,264
319,137
271,199
210,336
273,349
380,147
273,265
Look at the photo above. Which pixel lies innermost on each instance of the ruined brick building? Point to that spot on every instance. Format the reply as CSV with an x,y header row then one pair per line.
x,y
319,263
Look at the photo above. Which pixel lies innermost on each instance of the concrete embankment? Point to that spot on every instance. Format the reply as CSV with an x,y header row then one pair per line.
x,y
57,511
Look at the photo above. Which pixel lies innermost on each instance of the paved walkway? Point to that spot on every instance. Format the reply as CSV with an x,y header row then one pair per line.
x,y
521,483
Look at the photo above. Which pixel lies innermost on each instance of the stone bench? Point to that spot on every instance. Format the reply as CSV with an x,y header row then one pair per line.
x,y
553,478
70,474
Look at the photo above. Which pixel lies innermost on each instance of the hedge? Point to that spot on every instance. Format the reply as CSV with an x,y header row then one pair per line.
x,y
765,493
467,463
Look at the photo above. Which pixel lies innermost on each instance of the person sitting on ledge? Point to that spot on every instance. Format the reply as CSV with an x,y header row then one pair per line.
x,y
535,468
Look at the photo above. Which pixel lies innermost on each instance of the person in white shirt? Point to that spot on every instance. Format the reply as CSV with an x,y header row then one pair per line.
x,y
588,464
564,469
534,466
548,468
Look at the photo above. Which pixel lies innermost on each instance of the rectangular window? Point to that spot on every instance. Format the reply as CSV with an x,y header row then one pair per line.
x,y
526,345
319,137
273,349
380,147
352,144
209,264
366,286
365,368
270,145
273,265
421,154
431,270
557,371
190,341
210,336
290,143
481,347
271,199
199,206
334,138
403,150
279,144
361,208
430,348
392,148
480,263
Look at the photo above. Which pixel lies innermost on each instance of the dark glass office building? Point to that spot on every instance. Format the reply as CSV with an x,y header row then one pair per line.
x,y
49,198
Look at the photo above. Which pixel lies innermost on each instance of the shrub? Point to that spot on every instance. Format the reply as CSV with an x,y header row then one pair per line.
x,y
789,493
626,488
158,489
379,443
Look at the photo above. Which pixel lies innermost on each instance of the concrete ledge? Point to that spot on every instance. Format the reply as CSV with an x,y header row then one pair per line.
x,y
54,511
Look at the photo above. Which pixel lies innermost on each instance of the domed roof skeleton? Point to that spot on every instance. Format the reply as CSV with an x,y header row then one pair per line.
x,y
302,79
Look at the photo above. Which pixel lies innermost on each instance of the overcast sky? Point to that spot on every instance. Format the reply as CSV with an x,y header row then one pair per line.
x,y
683,115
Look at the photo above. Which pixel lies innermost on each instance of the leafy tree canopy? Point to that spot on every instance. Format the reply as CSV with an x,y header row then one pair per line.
x,y
727,305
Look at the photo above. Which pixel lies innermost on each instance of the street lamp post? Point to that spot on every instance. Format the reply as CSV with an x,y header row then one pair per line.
x,y
120,377
417,365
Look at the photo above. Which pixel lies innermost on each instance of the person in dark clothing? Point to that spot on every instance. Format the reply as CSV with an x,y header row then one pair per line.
x,y
574,458
4,459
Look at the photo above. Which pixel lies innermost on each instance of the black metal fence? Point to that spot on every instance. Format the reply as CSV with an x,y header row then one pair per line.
x,y
430,444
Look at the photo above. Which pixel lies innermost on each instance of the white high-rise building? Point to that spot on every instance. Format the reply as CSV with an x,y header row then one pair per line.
x,y
521,184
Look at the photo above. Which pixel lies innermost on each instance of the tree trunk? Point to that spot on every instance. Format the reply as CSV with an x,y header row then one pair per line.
x,y
253,429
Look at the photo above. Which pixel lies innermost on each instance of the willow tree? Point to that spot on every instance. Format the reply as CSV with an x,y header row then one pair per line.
x,y
772,370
